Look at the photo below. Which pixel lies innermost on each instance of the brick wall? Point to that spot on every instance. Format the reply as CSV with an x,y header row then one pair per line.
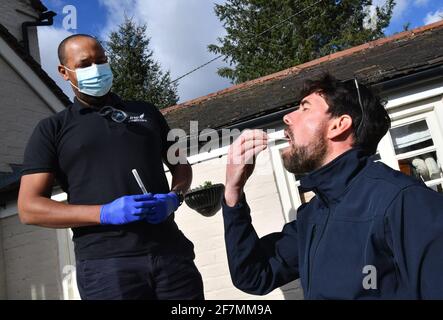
x,y
207,233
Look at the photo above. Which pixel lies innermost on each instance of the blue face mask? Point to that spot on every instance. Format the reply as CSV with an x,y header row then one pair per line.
x,y
95,80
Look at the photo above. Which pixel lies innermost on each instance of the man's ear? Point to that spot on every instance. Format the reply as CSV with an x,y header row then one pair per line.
x,y
63,72
339,126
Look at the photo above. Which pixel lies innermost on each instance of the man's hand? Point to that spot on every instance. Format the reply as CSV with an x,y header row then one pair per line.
x,y
162,205
241,162
126,209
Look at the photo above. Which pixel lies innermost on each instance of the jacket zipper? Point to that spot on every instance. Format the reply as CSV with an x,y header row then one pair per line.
x,y
311,261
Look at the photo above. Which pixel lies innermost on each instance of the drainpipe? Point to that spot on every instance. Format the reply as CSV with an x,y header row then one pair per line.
x,y
45,19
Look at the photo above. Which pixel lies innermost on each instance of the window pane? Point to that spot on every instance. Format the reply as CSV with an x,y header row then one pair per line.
x,y
423,167
410,137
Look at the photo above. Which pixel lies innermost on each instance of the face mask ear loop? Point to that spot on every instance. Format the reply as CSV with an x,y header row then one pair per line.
x,y
74,85
68,68
70,80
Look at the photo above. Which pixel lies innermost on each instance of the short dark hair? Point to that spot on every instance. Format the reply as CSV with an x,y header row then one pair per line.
x,y
342,98
61,47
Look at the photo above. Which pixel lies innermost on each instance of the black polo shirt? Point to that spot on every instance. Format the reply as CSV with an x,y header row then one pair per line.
x,y
92,157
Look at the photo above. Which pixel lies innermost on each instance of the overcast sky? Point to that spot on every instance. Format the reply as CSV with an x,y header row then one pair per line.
x,y
180,31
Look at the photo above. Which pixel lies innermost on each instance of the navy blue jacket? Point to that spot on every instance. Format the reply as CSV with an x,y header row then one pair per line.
x,y
366,222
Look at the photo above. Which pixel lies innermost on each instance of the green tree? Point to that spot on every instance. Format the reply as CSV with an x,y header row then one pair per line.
x,y
137,76
314,28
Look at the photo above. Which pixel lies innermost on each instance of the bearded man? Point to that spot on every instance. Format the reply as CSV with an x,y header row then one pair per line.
x,y
366,220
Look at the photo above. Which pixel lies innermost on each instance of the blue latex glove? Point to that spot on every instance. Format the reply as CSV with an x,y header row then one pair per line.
x,y
163,205
126,209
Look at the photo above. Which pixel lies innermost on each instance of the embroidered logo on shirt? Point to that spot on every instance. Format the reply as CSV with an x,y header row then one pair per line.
x,y
140,118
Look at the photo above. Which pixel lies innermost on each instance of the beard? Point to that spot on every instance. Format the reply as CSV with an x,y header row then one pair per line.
x,y
304,159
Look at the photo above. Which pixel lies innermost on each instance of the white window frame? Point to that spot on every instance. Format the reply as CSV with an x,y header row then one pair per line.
x,y
414,112
287,185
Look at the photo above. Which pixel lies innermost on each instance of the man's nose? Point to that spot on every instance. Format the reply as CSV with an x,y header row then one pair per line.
x,y
286,119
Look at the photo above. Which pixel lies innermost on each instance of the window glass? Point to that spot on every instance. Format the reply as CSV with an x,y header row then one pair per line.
x,y
411,137
416,153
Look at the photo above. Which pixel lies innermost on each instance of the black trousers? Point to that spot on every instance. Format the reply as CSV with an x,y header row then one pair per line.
x,y
145,277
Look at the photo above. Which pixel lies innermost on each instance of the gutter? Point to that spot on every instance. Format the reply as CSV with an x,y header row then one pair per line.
x,y
45,19
411,79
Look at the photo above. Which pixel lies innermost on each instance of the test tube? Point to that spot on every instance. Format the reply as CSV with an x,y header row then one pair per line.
x,y
139,181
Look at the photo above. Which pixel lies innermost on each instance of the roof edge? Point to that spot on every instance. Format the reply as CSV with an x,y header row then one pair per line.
x,y
298,68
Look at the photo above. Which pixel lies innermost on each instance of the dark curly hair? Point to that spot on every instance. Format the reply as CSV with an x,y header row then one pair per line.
x,y
342,98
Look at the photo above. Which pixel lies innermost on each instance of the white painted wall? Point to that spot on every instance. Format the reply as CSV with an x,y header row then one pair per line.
x,y
21,109
30,260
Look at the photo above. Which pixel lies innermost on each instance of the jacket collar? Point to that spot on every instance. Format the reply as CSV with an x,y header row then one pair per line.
x,y
331,181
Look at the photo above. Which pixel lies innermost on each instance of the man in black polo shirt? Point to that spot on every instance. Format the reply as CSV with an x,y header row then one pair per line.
x,y
127,244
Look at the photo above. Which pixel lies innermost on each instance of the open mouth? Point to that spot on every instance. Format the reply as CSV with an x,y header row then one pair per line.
x,y
288,136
